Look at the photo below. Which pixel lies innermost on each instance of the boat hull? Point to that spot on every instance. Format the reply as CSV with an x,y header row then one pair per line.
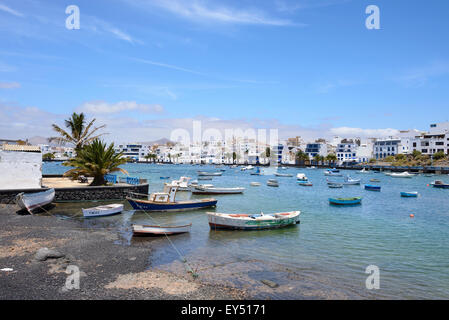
x,y
345,202
372,188
227,221
145,230
217,191
409,194
34,201
102,211
170,207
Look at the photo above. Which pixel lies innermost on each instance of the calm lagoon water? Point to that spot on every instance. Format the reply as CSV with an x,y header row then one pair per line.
x,y
323,257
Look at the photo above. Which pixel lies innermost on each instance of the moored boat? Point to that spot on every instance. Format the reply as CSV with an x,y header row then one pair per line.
x,y
335,185
351,181
255,184
301,177
201,189
305,183
209,174
34,201
166,202
440,184
277,174
332,173
413,194
371,187
258,172
252,222
374,180
182,184
272,183
402,175
145,230
102,211
345,201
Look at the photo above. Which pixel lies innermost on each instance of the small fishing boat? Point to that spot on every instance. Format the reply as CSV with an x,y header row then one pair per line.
x,y
333,174
305,183
335,185
258,172
216,190
166,202
301,177
351,181
146,230
255,184
283,174
252,221
164,178
204,178
102,211
272,183
209,174
413,194
182,184
374,180
440,184
363,171
34,201
371,187
345,201
402,175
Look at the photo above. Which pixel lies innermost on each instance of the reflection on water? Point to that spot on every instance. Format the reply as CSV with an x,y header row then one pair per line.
x,y
323,257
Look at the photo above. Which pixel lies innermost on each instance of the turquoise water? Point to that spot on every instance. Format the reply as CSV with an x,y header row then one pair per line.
x,y
323,257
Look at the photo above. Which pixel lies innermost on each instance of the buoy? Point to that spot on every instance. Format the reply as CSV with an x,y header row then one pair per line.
x,y
412,215
428,185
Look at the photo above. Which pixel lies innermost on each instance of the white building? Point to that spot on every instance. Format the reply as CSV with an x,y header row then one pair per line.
x,y
20,167
136,151
384,148
316,148
436,140
346,151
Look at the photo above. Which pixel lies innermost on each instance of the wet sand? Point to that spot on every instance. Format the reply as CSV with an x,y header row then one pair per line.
x,y
108,269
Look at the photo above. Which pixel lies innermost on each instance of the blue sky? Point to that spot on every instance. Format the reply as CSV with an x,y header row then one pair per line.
x,y
307,67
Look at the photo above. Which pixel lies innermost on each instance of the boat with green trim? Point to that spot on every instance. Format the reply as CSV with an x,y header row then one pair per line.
x,y
345,201
259,221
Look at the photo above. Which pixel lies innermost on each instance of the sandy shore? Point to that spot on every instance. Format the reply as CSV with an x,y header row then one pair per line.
x,y
108,269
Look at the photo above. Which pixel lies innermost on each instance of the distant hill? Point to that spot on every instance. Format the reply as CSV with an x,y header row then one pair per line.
x,y
159,142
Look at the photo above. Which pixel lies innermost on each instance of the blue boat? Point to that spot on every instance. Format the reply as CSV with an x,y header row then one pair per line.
x,y
440,184
371,187
165,201
409,194
345,201
257,172
165,177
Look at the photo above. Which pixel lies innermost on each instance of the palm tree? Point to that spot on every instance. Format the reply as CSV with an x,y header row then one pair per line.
x,y
301,156
95,160
331,157
78,133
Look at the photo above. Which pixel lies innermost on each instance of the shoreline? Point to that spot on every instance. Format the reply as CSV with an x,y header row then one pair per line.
x,y
108,268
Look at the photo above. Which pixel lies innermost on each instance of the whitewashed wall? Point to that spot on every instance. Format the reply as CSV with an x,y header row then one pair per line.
x,y
20,170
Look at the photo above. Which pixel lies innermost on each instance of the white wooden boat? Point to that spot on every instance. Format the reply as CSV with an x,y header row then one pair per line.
x,y
182,184
144,230
402,175
363,171
301,177
201,189
252,221
351,181
272,183
255,184
333,174
101,211
283,174
209,174
35,201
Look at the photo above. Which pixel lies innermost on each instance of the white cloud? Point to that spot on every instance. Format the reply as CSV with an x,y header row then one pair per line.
x,y
9,85
103,107
9,10
199,11
418,77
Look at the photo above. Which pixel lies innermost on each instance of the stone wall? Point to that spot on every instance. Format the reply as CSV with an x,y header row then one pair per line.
x,y
80,193
20,170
